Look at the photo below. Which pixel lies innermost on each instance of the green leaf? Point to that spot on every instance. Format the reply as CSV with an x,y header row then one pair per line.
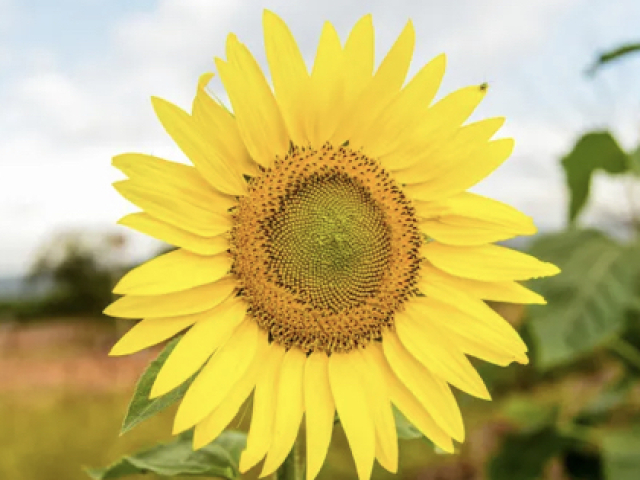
x,y
524,456
404,428
593,151
141,407
621,454
614,54
588,301
219,459
531,416
406,431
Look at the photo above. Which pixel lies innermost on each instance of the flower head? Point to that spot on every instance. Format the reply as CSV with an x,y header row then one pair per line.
x,y
330,258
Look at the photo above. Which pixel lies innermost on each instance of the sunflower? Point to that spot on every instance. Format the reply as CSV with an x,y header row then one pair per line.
x,y
329,257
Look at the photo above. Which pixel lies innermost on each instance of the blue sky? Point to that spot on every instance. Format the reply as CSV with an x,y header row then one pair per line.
x,y
76,76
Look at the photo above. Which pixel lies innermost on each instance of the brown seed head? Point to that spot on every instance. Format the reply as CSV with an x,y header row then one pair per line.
x,y
325,247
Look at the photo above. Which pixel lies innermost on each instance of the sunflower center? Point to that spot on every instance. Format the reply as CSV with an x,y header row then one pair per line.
x,y
326,249
329,242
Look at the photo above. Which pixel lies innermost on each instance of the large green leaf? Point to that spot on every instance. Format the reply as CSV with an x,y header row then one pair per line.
x,y
621,454
593,151
588,301
219,459
141,407
614,54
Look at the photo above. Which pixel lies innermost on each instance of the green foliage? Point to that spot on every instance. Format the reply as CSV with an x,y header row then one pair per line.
x,y
607,401
141,406
614,54
593,151
530,416
588,301
526,452
219,459
621,454
525,456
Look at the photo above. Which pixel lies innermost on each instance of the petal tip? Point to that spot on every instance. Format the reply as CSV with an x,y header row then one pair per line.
x,y
118,351
204,80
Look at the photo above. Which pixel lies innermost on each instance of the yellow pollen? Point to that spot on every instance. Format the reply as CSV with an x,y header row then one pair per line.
x,y
325,248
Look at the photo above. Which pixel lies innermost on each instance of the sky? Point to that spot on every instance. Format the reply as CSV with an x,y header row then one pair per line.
x,y
76,77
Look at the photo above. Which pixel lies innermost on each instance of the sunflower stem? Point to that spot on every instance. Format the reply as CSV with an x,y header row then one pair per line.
x,y
293,467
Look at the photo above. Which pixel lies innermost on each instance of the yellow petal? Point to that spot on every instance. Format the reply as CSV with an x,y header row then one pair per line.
x,y
442,156
289,409
474,328
486,262
463,173
210,332
151,331
438,125
433,281
435,350
257,114
431,391
289,75
220,128
389,131
213,424
320,411
454,230
264,406
377,94
145,223
218,376
325,99
378,393
172,272
174,210
461,301
173,179
407,403
183,129
194,300
470,219
358,59
354,411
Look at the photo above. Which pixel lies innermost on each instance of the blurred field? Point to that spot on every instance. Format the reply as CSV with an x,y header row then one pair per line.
x,y
63,400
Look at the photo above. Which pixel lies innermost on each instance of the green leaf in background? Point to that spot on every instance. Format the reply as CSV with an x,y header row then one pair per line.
x,y
588,301
219,459
141,407
531,416
621,454
614,54
593,151
524,456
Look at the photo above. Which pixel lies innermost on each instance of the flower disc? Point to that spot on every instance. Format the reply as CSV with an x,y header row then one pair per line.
x,y
326,248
